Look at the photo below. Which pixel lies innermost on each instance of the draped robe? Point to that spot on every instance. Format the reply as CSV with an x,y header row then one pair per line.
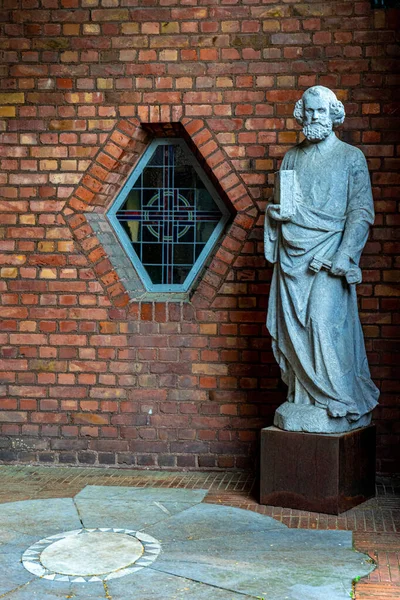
x,y
313,317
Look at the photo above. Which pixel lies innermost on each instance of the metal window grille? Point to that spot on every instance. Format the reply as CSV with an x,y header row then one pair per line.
x,y
168,216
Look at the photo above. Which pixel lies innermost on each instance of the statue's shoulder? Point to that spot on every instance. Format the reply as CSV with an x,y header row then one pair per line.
x,y
352,152
295,149
345,147
354,157
290,156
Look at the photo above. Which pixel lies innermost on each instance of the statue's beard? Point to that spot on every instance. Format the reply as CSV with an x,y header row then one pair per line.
x,y
316,132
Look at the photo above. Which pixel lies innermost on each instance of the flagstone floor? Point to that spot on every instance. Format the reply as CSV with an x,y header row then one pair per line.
x,y
375,524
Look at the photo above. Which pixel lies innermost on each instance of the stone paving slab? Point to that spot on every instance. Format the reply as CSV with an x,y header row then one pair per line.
x,y
211,521
208,552
132,507
153,585
40,589
150,494
276,564
126,514
10,537
40,517
13,574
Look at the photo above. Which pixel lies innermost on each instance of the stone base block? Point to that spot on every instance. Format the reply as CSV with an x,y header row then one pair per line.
x,y
327,473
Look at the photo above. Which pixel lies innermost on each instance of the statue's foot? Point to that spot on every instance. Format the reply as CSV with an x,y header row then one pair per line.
x,y
336,409
313,419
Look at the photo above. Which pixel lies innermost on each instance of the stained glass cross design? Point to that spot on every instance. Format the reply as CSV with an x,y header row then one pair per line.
x,y
170,215
171,219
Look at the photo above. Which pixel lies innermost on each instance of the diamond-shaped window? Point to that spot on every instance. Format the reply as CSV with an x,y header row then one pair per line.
x,y
168,216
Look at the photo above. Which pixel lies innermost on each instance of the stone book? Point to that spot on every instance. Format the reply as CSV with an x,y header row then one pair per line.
x,y
287,192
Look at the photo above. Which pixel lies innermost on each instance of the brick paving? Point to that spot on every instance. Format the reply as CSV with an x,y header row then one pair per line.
x,y
375,524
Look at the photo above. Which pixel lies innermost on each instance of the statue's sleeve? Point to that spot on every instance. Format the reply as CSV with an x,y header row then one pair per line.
x,y
271,234
360,209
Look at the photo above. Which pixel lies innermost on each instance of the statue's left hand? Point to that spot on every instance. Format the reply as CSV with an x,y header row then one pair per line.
x,y
340,264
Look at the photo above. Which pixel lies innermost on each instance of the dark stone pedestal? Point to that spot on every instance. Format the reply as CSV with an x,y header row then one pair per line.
x,y
327,473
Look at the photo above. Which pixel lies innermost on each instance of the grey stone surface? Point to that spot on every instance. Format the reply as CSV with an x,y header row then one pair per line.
x,y
91,555
94,553
315,232
12,572
41,589
152,494
210,521
44,517
154,585
270,564
11,537
132,507
124,513
208,552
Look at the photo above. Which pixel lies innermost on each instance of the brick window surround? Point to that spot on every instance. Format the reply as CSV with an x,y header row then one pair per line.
x,y
86,210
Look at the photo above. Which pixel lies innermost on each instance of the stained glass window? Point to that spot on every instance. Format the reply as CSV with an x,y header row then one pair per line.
x,y
168,216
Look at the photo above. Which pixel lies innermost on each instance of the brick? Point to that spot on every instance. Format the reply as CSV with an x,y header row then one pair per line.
x,y
91,419
7,111
12,98
111,14
30,391
209,369
68,340
13,417
108,340
28,339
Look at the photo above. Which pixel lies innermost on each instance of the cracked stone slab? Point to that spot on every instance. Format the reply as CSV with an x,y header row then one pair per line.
x,y
208,552
153,585
125,513
13,574
210,521
148,494
276,564
40,517
10,537
41,589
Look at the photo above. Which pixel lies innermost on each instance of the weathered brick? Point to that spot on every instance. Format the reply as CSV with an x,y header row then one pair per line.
x,y
68,340
12,98
91,419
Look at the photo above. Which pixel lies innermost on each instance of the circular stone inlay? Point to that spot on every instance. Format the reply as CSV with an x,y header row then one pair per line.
x,y
88,555
91,553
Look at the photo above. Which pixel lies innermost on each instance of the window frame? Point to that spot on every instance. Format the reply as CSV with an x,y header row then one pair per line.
x,y
125,240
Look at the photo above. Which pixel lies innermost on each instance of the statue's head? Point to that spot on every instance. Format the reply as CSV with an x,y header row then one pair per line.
x,y
318,111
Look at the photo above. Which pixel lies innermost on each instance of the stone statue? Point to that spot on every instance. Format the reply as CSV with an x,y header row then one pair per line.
x,y
315,231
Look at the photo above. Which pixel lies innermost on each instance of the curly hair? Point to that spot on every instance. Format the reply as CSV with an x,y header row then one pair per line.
x,y
336,107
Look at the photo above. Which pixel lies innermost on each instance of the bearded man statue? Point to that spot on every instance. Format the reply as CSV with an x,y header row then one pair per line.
x,y
315,232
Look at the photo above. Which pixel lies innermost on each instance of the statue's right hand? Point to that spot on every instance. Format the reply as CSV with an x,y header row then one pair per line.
x,y
274,211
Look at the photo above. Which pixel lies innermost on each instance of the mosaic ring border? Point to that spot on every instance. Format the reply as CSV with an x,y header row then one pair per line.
x,y
31,556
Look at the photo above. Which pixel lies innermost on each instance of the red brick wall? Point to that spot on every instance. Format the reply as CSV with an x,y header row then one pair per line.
x,y
89,376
